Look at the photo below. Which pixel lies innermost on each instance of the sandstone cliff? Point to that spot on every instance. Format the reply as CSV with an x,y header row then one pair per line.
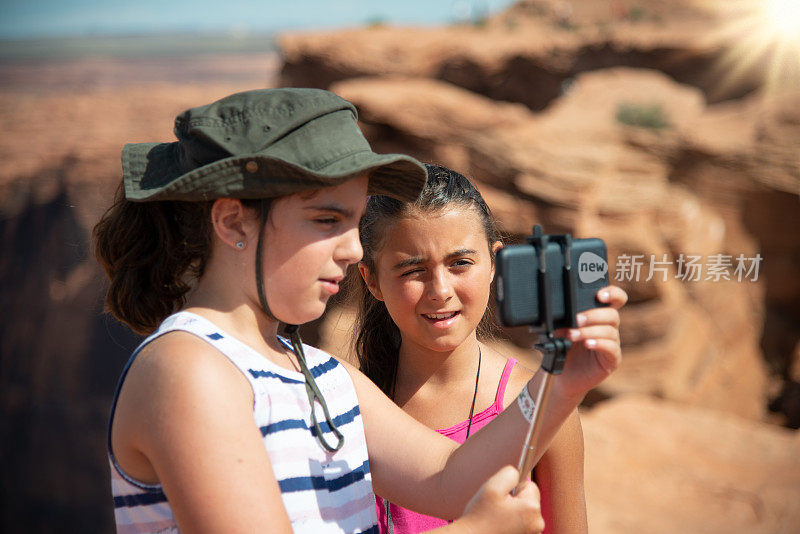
x,y
598,118
648,153
60,356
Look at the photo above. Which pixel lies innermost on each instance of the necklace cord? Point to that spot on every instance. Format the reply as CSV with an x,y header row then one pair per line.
x,y
474,395
469,427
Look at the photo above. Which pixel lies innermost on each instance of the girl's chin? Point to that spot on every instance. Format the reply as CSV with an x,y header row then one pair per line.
x,y
445,345
312,313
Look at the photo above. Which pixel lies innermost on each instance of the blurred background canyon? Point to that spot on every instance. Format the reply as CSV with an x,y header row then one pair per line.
x,y
664,127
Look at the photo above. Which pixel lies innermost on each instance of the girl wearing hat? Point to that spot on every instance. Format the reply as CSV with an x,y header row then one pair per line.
x,y
422,312
220,425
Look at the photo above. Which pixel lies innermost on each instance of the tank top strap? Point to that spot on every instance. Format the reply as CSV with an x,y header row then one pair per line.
x,y
501,387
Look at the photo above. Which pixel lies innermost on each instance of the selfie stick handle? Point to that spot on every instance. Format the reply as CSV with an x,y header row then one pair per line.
x,y
526,461
554,350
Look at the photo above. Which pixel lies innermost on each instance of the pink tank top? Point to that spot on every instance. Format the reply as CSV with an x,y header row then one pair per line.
x,y
405,521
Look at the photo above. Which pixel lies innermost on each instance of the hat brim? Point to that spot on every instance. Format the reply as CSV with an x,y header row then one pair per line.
x,y
151,172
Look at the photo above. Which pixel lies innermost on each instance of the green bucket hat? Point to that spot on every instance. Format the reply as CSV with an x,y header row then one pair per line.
x,y
265,143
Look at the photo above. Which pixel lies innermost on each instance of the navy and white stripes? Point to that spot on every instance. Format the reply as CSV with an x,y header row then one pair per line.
x,y
322,491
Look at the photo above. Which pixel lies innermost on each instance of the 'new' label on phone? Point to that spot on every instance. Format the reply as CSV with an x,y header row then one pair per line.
x,y
591,267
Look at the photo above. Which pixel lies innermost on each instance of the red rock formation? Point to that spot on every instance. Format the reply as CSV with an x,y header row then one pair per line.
x,y
720,178
529,52
683,340
658,467
60,356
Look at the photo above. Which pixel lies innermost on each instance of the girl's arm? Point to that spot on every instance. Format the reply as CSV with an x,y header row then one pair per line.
x,y
419,469
184,419
559,475
560,472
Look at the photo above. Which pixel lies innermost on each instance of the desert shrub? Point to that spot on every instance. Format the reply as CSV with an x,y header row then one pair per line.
x,y
650,116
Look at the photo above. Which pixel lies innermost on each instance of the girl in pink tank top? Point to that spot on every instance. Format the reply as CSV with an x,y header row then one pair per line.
x,y
428,268
405,520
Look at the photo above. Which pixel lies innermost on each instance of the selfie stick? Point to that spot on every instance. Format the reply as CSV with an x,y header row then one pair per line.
x,y
553,349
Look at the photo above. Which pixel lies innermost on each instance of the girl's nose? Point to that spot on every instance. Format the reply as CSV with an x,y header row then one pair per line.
x,y
349,249
440,289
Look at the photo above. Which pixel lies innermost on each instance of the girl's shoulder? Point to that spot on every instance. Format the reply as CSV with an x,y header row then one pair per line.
x,y
181,355
178,367
176,384
520,375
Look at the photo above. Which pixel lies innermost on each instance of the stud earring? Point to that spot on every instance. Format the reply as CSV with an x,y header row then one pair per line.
x,y
240,245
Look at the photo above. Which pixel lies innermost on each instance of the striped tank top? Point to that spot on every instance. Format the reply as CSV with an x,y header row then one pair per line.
x,y
322,492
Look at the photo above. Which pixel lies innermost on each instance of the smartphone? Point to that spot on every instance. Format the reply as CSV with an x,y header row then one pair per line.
x,y
519,282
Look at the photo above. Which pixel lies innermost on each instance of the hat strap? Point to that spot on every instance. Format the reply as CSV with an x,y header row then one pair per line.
x,y
314,393
262,296
312,390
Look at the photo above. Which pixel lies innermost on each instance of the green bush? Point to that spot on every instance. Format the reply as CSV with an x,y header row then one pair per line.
x,y
642,115
636,13
511,23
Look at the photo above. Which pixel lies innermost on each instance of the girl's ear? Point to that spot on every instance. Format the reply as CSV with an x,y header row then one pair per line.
x,y
496,246
370,281
232,223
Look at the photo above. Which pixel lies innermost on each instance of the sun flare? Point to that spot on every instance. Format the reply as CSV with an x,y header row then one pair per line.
x,y
760,38
783,16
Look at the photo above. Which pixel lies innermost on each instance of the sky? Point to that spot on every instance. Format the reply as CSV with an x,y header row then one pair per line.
x,y
22,19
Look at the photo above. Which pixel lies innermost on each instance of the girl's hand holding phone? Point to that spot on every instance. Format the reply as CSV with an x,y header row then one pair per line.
x,y
596,350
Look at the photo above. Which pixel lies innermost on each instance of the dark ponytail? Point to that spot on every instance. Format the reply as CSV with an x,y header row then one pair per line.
x,y
152,252
377,343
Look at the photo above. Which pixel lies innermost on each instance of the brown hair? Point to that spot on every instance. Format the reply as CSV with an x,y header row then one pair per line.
x,y
377,342
152,252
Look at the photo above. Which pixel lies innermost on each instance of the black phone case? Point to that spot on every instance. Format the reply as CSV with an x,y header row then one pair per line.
x,y
517,281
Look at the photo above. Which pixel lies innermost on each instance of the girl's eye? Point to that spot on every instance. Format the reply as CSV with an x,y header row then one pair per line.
x,y
462,263
326,221
412,271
